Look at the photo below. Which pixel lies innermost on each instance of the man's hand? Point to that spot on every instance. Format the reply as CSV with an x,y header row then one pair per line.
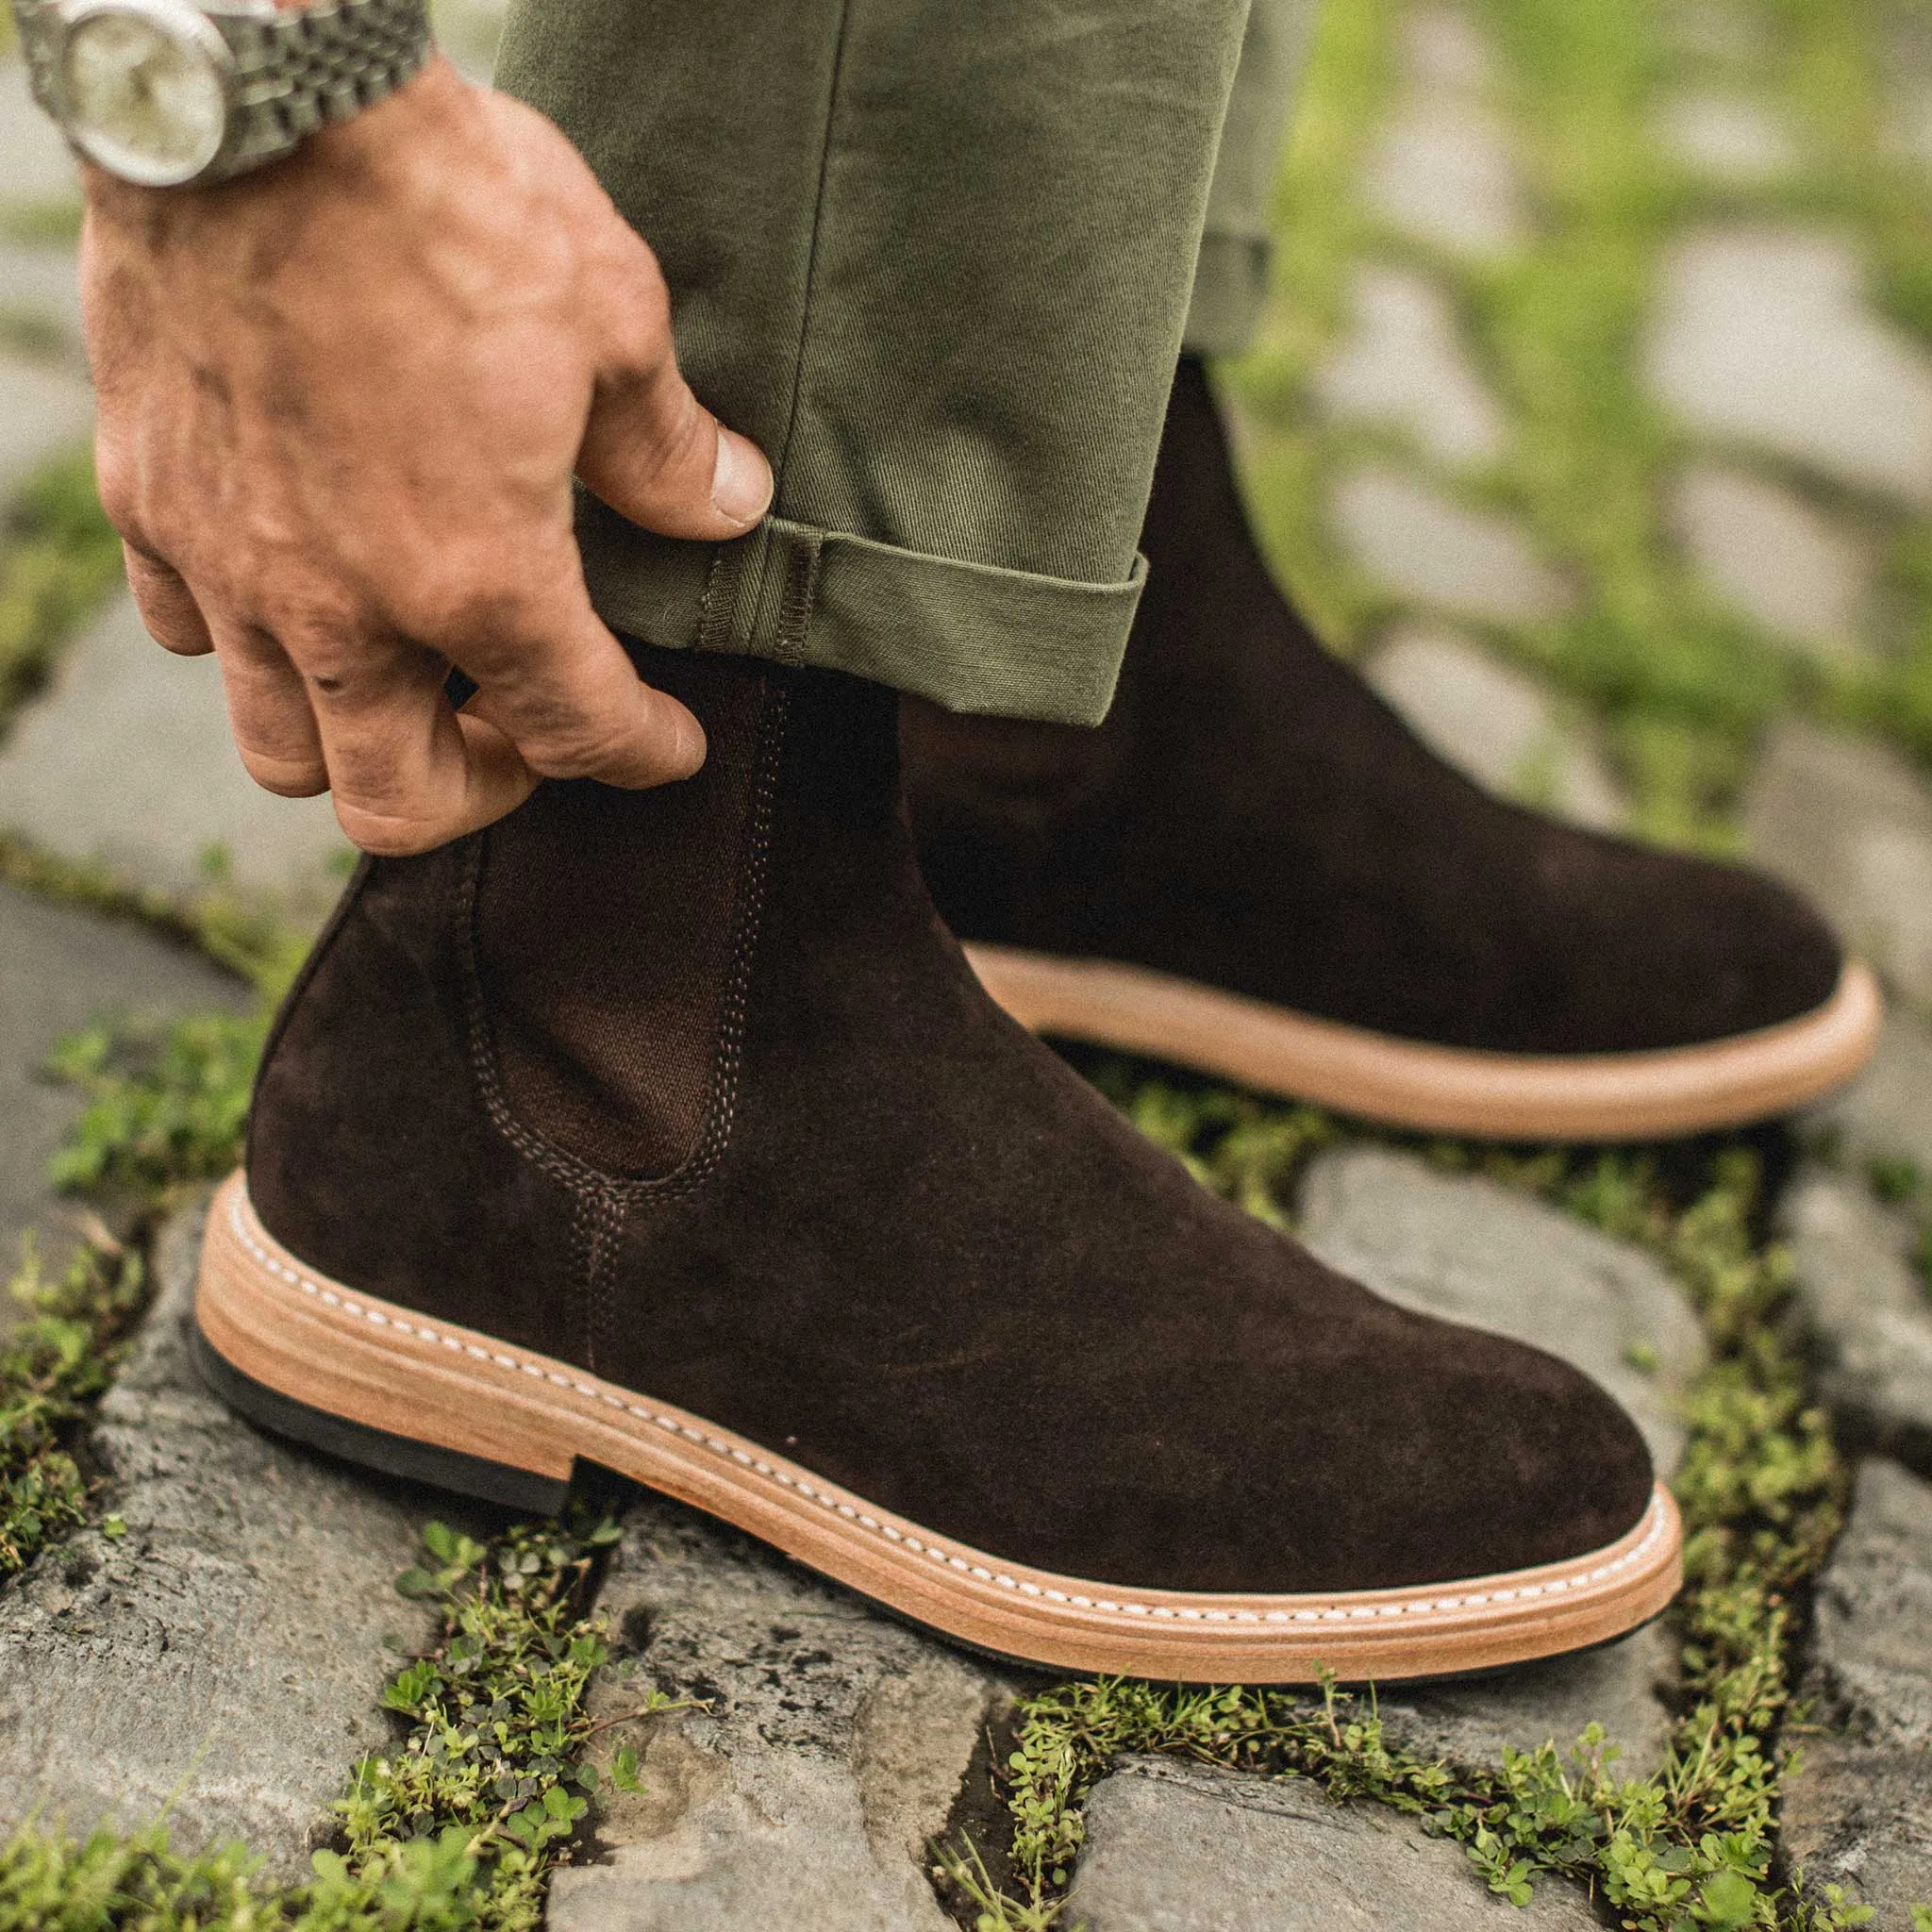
x,y
340,402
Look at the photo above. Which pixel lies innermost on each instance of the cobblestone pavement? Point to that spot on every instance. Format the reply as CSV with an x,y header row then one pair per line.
x,y
1788,410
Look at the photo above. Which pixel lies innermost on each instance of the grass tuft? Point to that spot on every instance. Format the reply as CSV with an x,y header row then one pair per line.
x,y
53,1362
59,556
166,1107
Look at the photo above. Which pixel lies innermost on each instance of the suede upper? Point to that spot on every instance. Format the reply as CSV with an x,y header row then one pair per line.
x,y
1253,817
905,1245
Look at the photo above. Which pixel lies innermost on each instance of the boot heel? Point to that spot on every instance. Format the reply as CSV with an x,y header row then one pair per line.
x,y
418,1462
249,1354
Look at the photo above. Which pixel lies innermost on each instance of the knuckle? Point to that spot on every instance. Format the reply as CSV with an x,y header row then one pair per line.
x,y
687,439
638,307
334,664
459,604
316,611
629,749
674,455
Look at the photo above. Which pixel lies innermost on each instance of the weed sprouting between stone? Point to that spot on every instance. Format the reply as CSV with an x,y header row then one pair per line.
x,y
54,1362
166,1107
58,557
457,1825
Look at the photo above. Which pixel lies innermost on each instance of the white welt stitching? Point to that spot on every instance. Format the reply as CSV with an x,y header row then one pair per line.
x,y
1319,1613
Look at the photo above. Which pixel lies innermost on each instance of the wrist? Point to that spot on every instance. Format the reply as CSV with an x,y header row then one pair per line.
x,y
174,94
383,145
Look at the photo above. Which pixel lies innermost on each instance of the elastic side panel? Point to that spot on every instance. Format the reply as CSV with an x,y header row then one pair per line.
x,y
603,939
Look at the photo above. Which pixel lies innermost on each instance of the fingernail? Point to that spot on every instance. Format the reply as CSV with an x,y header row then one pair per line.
x,y
742,483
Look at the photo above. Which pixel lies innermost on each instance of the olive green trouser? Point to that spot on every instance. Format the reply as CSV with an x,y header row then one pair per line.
x,y
937,258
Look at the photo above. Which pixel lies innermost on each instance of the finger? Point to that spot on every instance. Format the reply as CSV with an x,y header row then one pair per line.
x,y
168,610
406,773
563,688
269,713
652,451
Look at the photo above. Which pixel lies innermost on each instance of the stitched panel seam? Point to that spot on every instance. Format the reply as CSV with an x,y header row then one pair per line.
x,y
591,1243
1334,1611
606,1229
800,594
716,613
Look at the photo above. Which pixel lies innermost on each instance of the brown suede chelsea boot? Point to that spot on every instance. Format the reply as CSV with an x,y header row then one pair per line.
x,y
670,1130
1255,869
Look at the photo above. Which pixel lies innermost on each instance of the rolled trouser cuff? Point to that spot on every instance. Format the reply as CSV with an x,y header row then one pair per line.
x,y
970,636
1230,290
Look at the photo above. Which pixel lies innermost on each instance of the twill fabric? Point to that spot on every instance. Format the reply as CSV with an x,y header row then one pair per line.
x,y
937,262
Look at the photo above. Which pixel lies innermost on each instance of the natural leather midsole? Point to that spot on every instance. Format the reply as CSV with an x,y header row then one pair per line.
x,y
383,1366
1610,1096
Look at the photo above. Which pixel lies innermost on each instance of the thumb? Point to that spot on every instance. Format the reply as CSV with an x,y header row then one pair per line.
x,y
656,454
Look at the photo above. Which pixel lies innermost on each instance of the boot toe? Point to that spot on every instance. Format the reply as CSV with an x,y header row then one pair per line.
x,y
1767,956
1454,1454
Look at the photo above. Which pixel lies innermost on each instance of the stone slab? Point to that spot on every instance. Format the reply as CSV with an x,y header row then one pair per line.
x,y
1868,1308
467,31
1848,821
1425,547
1776,559
1445,52
831,1747
36,164
1185,1848
60,968
1442,171
224,1659
1624,1687
1763,335
1494,723
1858,1810
1403,363
1471,1251
1727,138
127,761
44,285
42,412
1886,1113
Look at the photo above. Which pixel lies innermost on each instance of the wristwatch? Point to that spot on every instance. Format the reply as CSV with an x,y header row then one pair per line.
x,y
165,92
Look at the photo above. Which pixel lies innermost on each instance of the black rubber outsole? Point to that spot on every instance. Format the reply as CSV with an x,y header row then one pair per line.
x,y
416,1462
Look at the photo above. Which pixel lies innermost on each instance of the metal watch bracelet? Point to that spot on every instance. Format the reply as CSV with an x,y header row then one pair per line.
x,y
295,72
